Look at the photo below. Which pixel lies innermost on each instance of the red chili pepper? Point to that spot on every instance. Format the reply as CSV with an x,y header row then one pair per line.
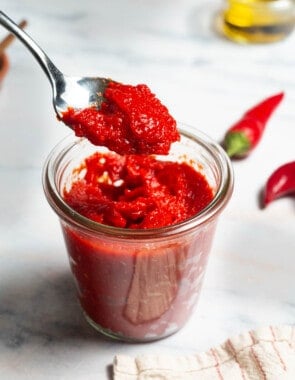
x,y
244,135
280,183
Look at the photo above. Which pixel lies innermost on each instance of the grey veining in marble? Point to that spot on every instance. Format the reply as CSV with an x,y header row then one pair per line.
x,y
205,81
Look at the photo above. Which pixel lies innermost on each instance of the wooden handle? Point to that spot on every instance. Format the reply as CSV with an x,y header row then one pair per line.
x,y
8,39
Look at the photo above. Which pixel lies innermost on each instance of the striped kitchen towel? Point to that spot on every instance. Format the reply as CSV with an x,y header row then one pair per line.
x,y
264,354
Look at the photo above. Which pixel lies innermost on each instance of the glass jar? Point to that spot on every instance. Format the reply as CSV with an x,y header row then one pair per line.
x,y
139,285
257,21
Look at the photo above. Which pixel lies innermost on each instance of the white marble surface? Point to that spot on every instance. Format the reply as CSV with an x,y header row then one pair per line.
x,y
205,81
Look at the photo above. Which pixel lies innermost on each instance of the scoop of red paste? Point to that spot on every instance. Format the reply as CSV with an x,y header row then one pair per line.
x,y
131,120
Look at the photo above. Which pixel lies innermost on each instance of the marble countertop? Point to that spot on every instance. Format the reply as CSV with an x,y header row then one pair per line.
x,y
206,82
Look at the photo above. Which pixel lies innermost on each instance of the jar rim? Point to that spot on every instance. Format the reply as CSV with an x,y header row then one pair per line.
x,y
65,212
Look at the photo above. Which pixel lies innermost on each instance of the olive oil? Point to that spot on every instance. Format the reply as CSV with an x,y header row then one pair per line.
x,y
257,21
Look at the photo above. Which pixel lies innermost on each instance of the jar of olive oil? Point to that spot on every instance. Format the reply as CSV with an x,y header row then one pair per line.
x,y
257,21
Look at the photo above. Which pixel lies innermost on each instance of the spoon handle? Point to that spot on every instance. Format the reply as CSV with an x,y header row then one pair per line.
x,y
53,74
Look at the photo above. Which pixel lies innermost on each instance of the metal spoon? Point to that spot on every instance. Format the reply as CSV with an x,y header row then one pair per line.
x,y
75,92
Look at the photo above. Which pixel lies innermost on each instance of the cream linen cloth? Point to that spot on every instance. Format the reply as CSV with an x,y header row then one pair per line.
x,y
266,354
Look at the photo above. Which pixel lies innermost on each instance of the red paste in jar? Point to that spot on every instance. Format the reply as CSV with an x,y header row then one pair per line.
x,y
138,191
136,290
131,288
131,120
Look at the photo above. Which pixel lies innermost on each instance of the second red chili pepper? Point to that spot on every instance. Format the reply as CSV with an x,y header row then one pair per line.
x,y
244,135
280,183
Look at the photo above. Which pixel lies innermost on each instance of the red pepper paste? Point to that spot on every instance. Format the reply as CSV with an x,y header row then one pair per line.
x,y
131,120
139,291
132,288
138,191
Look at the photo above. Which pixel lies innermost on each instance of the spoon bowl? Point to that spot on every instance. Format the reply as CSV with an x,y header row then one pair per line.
x,y
74,92
78,92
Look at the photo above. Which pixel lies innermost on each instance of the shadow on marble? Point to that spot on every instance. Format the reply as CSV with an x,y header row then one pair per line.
x,y
42,309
